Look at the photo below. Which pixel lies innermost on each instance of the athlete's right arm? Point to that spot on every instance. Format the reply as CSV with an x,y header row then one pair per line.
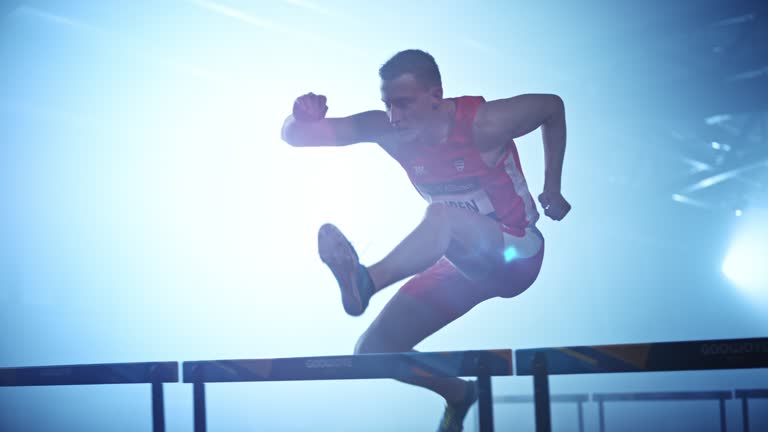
x,y
307,127
366,126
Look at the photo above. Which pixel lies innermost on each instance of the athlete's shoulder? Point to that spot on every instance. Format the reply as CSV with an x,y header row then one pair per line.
x,y
467,107
469,100
487,134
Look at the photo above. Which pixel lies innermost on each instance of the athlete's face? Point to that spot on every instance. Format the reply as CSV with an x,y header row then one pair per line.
x,y
411,105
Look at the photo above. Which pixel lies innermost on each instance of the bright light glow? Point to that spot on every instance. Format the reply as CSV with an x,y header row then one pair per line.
x,y
686,200
738,212
715,145
715,179
717,119
509,254
696,166
745,262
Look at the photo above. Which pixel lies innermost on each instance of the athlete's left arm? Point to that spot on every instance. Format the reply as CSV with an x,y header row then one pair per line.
x,y
501,120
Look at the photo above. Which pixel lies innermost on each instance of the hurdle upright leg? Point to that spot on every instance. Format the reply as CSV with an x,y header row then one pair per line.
x,y
158,408
723,423
541,394
199,395
745,412
485,402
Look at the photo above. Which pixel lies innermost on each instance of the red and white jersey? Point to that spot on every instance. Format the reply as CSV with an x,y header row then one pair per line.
x,y
452,172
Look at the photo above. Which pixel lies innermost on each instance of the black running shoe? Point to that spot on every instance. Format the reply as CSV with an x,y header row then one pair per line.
x,y
453,416
339,255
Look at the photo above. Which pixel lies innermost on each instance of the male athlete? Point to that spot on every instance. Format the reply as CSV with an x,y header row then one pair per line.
x,y
478,237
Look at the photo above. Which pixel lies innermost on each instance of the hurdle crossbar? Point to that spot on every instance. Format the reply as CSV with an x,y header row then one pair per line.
x,y
154,373
644,357
481,364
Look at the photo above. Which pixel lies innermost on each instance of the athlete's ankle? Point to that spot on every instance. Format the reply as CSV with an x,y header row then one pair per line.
x,y
374,273
466,394
365,283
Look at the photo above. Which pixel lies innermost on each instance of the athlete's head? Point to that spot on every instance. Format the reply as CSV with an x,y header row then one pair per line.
x,y
411,89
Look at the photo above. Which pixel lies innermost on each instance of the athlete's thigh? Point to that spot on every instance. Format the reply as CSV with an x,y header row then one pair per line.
x,y
426,303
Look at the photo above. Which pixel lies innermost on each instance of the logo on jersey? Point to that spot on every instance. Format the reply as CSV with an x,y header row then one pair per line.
x,y
459,164
419,170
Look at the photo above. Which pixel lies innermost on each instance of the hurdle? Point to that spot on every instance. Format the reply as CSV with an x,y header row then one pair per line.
x,y
539,363
481,364
578,398
645,357
154,373
720,396
745,395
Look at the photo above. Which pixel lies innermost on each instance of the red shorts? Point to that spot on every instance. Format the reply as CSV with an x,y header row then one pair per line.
x,y
445,288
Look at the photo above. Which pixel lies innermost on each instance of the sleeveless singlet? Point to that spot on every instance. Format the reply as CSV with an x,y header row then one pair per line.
x,y
453,173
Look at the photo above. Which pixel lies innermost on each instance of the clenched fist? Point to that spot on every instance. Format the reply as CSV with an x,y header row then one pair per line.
x,y
554,205
309,107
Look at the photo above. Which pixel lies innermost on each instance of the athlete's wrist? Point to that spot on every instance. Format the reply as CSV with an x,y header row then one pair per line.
x,y
552,187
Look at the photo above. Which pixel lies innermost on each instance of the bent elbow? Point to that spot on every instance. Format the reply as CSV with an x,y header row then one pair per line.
x,y
288,132
285,136
556,109
557,102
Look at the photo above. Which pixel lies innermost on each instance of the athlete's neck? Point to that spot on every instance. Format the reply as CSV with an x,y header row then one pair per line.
x,y
446,112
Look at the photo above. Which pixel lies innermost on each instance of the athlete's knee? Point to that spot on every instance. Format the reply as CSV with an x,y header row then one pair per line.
x,y
368,344
372,343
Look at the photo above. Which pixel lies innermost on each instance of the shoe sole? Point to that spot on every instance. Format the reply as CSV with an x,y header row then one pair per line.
x,y
337,253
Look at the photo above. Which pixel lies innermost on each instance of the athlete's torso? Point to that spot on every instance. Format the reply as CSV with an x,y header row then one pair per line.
x,y
454,172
